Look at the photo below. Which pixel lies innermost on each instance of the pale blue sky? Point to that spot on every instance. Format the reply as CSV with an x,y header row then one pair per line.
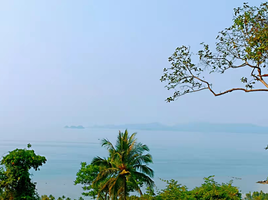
x,y
99,62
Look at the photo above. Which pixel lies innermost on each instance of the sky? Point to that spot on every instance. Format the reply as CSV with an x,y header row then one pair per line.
x,y
89,63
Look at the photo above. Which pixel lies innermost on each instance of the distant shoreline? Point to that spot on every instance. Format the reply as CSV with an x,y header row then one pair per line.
x,y
75,127
191,127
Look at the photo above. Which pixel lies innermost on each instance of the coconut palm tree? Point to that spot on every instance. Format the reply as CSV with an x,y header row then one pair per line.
x,y
126,169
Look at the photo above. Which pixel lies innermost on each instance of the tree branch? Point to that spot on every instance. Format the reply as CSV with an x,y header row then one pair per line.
x,y
205,88
261,79
242,45
230,63
264,83
253,75
243,89
227,91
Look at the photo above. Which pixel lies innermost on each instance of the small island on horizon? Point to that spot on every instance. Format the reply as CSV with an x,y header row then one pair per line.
x,y
75,127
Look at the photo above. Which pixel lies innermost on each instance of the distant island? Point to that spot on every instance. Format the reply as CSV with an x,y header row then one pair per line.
x,y
75,127
192,127
263,182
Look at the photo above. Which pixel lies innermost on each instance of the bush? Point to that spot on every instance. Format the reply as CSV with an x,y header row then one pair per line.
x,y
212,190
209,190
256,196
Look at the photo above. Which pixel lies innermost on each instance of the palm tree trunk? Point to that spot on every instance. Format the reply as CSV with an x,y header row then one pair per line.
x,y
106,195
125,189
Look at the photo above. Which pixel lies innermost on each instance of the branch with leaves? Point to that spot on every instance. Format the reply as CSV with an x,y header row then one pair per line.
x,y
243,45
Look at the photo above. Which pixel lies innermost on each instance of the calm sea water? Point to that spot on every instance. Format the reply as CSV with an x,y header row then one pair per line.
x,y
186,157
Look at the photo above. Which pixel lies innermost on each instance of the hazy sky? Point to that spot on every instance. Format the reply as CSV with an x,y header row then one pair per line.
x,y
99,62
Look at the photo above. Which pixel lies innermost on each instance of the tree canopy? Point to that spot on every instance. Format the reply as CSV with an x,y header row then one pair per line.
x,y
209,190
242,45
85,176
15,178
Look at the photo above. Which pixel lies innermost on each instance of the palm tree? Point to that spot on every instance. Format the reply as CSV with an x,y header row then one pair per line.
x,y
126,168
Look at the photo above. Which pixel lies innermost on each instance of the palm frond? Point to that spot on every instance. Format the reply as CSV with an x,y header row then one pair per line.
x,y
103,162
139,148
122,141
135,185
104,187
146,179
132,140
132,146
107,172
138,160
142,147
145,169
119,140
106,143
105,176
115,186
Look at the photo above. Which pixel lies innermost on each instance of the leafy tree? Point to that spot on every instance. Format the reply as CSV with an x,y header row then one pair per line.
x,y
150,191
242,45
256,196
85,176
51,197
15,178
209,190
213,190
126,168
45,197
174,191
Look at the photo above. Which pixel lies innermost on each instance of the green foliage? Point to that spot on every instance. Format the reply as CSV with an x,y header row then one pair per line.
x,y
256,196
50,197
15,177
242,45
209,190
150,191
85,176
45,197
174,191
126,168
212,190
149,195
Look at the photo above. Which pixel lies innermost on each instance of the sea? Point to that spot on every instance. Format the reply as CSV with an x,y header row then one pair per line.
x,y
187,157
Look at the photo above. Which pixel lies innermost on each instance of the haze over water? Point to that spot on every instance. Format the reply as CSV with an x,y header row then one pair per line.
x,y
89,62
186,157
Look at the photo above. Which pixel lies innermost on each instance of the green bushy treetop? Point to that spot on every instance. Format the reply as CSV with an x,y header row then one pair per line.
x,y
15,180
